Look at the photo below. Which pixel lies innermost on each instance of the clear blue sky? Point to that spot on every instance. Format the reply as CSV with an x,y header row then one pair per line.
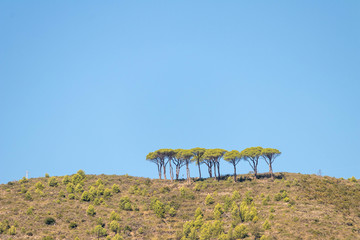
x,y
97,85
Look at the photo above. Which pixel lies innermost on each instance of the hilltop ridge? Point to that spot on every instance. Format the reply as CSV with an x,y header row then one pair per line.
x,y
291,206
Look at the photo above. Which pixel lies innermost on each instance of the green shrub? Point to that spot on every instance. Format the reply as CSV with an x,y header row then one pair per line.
x,y
198,212
23,189
266,225
79,188
47,238
12,230
141,230
30,210
240,231
125,204
66,180
115,188
70,188
352,179
236,195
99,231
209,200
172,212
218,211
49,221
114,216
39,186
23,180
158,208
73,225
71,196
47,175
99,182
81,173
117,237
86,197
53,182
107,192
115,226
28,196
91,210
77,178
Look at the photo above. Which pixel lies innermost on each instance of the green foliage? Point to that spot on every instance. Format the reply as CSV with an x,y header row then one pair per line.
x,y
100,222
198,212
99,231
91,210
117,237
125,204
218,211
23,180
235,195
39,186
81,173
79,188
266,225
53,182
47,238
47,175
12,230
71,196
28,196
23,189
66,180
115,226
49,221
248,199
172,212
70,188
114,216
158,208
115,188
77,178
86,197
30,210
352,179
240,231
73,225
209,200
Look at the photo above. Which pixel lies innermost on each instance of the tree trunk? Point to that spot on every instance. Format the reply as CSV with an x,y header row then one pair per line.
x,y
164,168
270,170
234,173
159,170
215,171
177,171
210,170
218,167
198,162
171,171
187,172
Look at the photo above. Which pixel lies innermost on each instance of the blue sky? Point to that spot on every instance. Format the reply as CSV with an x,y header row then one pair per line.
x,y
97,85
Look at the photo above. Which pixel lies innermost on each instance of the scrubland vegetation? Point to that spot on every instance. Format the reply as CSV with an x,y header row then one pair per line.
x,y
288,206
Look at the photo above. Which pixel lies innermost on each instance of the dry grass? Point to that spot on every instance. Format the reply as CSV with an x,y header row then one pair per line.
x,y
316,208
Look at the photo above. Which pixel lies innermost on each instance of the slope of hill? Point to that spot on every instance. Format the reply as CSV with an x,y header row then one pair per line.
x,y
292,206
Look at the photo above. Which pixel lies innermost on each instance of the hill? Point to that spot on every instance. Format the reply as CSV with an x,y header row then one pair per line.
x,y
291,206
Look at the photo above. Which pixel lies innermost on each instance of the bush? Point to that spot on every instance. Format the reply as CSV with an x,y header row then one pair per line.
x,y
79,188
158,208
115,226
49,221
198,212
240,231
29,211
66,180
266,225
47,175
218,211
70,188
86,197
209,200
125,204
352,179
117,237
71,196
12,230
115,188
39,186
91,211
73,225
28,196
23,180
100,231
47,238
81,173
53,182
172,212
114,216
76,179
107,192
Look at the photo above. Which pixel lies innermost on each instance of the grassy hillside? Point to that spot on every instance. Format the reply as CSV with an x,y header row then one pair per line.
x,y
292,206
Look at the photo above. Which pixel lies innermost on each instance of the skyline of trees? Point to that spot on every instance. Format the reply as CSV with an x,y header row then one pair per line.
x,y
211,158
